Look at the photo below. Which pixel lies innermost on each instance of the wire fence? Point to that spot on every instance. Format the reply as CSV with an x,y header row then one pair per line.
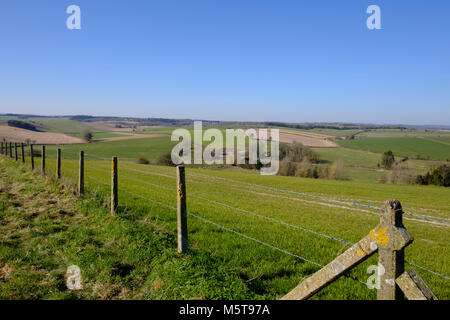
x,y
348,203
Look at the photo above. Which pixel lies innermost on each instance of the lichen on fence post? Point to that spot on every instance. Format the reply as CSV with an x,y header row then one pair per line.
x,y
391,254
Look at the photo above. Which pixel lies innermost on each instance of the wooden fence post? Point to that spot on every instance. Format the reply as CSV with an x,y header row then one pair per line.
x,y
2,147
181,211
81,174
392,239
114,184
23,154
43,160
58,163
15,149
10,150
31,157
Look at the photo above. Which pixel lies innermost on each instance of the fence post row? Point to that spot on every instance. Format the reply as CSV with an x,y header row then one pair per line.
x,y
31,157
114,182
181,211
58,163
23,154
389,238
43,161
81,174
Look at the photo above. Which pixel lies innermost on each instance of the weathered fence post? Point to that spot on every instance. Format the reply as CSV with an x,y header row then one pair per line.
x,y
43,161
2,147
114,184
181,211
391,255
31,157
10,150
81,174
58,163
23,154
15,149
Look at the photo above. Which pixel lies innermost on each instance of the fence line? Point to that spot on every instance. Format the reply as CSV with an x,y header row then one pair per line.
x,y
445,223
221,227
349,203
242,210
273,220
281,190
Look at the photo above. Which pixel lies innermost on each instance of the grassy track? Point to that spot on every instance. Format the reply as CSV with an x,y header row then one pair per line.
x,y
248,204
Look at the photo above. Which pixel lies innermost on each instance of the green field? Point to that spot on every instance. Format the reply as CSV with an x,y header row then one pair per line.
x,y
408,147
402,133
63,125
335,132
128,150
247,203
100,135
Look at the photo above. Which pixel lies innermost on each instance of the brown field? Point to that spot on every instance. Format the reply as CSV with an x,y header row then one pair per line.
x,y
314,140
12,134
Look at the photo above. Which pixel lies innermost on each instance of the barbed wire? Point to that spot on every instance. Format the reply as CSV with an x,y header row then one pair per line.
x,y
242,210
246,211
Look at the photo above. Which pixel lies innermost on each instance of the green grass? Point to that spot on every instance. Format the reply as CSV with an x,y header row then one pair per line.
x,y
63,125
268,273
44,229
335,132
100,135
124,149
348,156
410,147
399,133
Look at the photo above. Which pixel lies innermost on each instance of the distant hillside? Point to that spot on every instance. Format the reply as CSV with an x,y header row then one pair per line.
x,y
22,125
136,121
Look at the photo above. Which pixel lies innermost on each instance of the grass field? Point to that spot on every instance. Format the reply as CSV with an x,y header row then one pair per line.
x,y
248,203
63,125
124,149
402,133
100,135
410,147
335,132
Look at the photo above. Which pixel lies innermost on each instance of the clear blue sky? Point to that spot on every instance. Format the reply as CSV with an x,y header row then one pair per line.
x,y
291,61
